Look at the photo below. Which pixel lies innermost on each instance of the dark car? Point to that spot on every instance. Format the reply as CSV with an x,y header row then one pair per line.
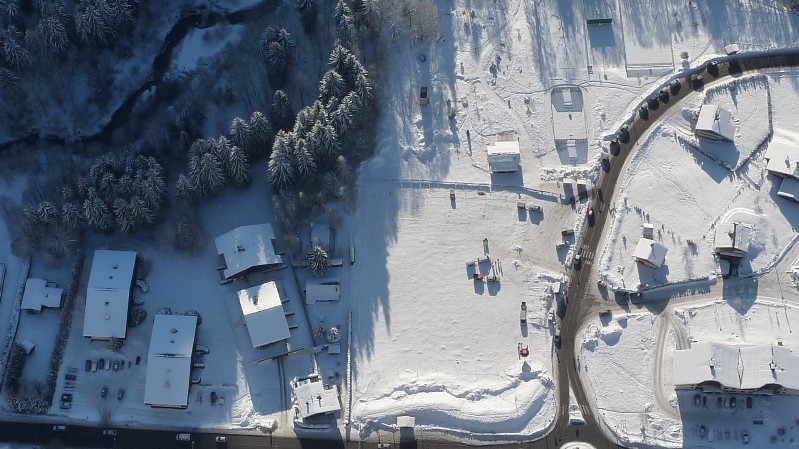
x,y
643,112
70,376
675,87
101,364
663,95
653,103
104,392
713,68
115,365
615,147
121,394
624,134
88,365
66,405
66,397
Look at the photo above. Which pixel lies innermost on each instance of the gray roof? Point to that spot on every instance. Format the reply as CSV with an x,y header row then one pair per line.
x,y
716,121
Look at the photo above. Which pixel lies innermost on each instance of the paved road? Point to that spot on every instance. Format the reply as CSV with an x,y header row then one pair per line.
x,y
583,300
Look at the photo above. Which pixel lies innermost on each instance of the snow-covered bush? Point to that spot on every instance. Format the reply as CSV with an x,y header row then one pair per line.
x,y
136,317
319,260
276,48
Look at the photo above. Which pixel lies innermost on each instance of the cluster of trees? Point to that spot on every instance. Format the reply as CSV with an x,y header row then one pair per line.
x,y
46,26
314,144
276,47
116,193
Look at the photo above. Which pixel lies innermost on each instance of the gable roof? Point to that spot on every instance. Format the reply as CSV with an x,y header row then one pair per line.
x,y
247,247
169,361
108,294
650,251
263,314
715,120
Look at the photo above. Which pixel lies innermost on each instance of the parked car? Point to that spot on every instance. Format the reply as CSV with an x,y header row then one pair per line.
x,y
675,87
578,262
663,95
109,433
566,232
221,439
745,437
183,437
66,397
116,365
88,365
66,405
70,376
104,392
59,428
101,364
121,394
534,208
557,335
200,349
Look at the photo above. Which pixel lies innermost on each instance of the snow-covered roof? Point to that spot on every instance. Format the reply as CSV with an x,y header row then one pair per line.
x,y
38,294
326,290
789,188
650,252
314,399
320,235
738,367
247,247
263,314
504,156
108,294
715,123
783,154
732,238
406,422
169,361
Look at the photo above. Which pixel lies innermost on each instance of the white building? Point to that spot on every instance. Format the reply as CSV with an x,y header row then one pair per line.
x,y
40,293
732,239
263,314
312,397
245,249
716,366
169,361
789,188
504,156
650,253
108,294
322,291
715,123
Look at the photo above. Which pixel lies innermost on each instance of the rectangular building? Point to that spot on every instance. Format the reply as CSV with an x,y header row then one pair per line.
x,y
732,239
263,314
245,249
108,294
322,291
504,156
169,361
650,253
715,123
313,398
39,294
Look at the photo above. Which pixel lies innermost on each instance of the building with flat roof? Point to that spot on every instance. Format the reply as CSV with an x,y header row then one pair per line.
x,y
789,188
715,123
169,361
504,156
312,397
717,366
39,294
650,253
108,294
263,314
322,291
732,239
245,249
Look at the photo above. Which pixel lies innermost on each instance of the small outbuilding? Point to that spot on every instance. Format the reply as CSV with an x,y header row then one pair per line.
x,y
313,398
789,188
504,156
732,239
325,290
263,314
246,249
715,123
39,294
406,422
650,253
649,231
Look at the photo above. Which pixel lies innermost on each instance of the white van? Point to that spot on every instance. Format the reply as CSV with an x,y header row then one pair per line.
x,y
183,437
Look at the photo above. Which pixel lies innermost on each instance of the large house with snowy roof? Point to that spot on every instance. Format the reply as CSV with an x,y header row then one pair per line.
x,y
246,249
263,313
504,156
312,397
650,253
716,367
715,123
108,294
783,161
169,361
732,239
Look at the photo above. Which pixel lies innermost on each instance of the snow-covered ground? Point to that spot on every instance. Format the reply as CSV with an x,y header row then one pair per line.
x,y
685,191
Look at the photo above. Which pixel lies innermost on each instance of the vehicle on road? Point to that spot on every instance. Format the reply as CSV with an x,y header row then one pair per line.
x,y
183,437
557,336
578,262
643,112
66,405
745,437
104,392
663,95
59,428
109,433
121,394
590,211
575,415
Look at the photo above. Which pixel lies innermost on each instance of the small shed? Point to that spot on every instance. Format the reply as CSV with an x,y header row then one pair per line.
x,y
424,97
731,49
789,188
405,422
715,123
649,230
325,291
504,156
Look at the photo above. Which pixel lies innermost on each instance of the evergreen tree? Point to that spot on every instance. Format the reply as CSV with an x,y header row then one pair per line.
x,y
327,140
118,14
238,167
276,48
338,59
281,164
308,11
367,15
9,10
363,88
207,174
184,189
303,122
98,216
319,260
239,133
221,150
343,21
71,217
90,22
14,52
261,135
306,165
50,33
8,80
281,111
140,213
124,215
331,85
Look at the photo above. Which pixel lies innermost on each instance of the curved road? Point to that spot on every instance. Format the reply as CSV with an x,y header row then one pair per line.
x,y
583,300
